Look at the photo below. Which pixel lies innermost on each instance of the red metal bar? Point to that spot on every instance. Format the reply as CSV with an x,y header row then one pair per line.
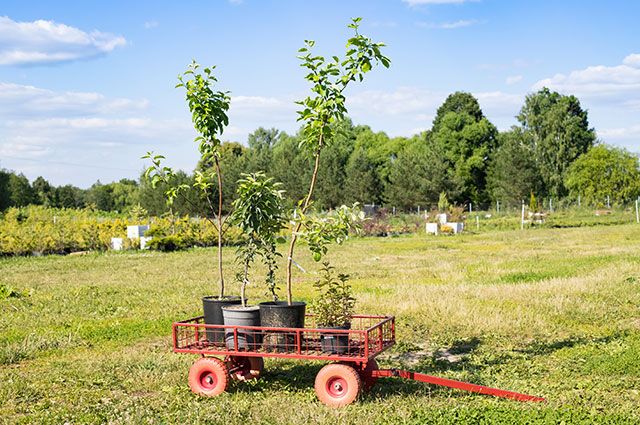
x,y
365,344
175,335
481,389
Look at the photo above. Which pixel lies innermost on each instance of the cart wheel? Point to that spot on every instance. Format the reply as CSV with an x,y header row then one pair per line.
x,y
208,376
337,385
243,368
368,380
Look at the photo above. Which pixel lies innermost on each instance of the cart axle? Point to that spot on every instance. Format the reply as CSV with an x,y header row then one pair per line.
x,y
481,389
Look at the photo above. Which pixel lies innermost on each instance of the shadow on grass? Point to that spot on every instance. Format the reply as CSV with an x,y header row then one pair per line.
x,y
283,376
547,347
455,362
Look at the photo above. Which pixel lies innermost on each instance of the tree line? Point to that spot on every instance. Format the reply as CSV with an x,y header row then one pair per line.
x,y
552,152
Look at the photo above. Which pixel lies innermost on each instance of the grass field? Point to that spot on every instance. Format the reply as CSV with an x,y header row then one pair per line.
x,y
550,312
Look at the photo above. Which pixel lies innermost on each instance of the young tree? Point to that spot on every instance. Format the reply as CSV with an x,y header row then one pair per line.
x,y
560,133
458,103
260,152
21,192
362,183
291,166
5,193
209,116
418,176
259,213
124,194
45,193
327,106
332,181
101,196
513,173
69,196
604,171
467,140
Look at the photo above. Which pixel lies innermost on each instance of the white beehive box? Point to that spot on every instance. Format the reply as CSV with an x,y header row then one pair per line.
x,y
144,241
432,228
457,227
116,244
136,232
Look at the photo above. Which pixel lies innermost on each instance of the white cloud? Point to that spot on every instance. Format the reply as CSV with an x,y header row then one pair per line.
x,y
448,25
23,100
43,128
632,60
513,79
257,102
611,94
618,84
151,24
620,133
250,112
46,42
401,111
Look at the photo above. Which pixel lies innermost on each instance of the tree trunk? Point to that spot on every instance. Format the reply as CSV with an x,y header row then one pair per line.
x,y
245,280
219,175
296,229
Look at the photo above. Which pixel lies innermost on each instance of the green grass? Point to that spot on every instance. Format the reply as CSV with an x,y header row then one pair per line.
x,y
550,312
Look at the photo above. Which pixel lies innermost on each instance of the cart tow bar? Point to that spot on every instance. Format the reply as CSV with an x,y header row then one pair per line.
x,y
481,389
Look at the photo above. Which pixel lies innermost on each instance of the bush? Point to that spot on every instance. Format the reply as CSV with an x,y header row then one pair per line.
x,y
38,230
167,243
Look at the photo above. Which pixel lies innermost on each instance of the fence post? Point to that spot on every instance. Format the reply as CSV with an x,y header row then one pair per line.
x,y
637,216
608,202
578,200
522,217
478,221
498,207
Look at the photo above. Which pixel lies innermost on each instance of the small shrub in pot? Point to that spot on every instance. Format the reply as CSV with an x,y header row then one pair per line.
x,y
259,213
333,309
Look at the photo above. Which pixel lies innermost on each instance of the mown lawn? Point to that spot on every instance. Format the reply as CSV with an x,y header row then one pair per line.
x,y
550,312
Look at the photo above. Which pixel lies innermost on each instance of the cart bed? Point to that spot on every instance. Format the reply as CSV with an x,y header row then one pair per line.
x,y
368,337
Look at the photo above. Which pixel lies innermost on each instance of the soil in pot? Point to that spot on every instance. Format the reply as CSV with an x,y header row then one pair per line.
x,y
335,343
279,314
212,309
236,315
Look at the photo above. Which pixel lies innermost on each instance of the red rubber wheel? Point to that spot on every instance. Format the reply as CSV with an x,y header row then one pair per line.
x,y
243,368
208,376
337,385
368,380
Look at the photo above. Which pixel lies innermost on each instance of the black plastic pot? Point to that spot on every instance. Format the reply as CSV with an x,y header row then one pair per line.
x,y
335,343
242,316
212,310
279,314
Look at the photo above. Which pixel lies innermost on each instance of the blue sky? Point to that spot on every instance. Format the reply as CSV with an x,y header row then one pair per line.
x,y
86,88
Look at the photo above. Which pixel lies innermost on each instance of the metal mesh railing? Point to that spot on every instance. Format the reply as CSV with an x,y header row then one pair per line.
x,y
368,336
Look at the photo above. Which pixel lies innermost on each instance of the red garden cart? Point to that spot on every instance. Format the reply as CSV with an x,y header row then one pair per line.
x,y
352,354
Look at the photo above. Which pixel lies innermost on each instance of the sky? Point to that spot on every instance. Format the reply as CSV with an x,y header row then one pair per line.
x,y
87,88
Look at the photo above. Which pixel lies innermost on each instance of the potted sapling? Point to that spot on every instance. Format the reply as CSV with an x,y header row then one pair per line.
x,y
209,115
318,233
259,213
333,309
320,113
